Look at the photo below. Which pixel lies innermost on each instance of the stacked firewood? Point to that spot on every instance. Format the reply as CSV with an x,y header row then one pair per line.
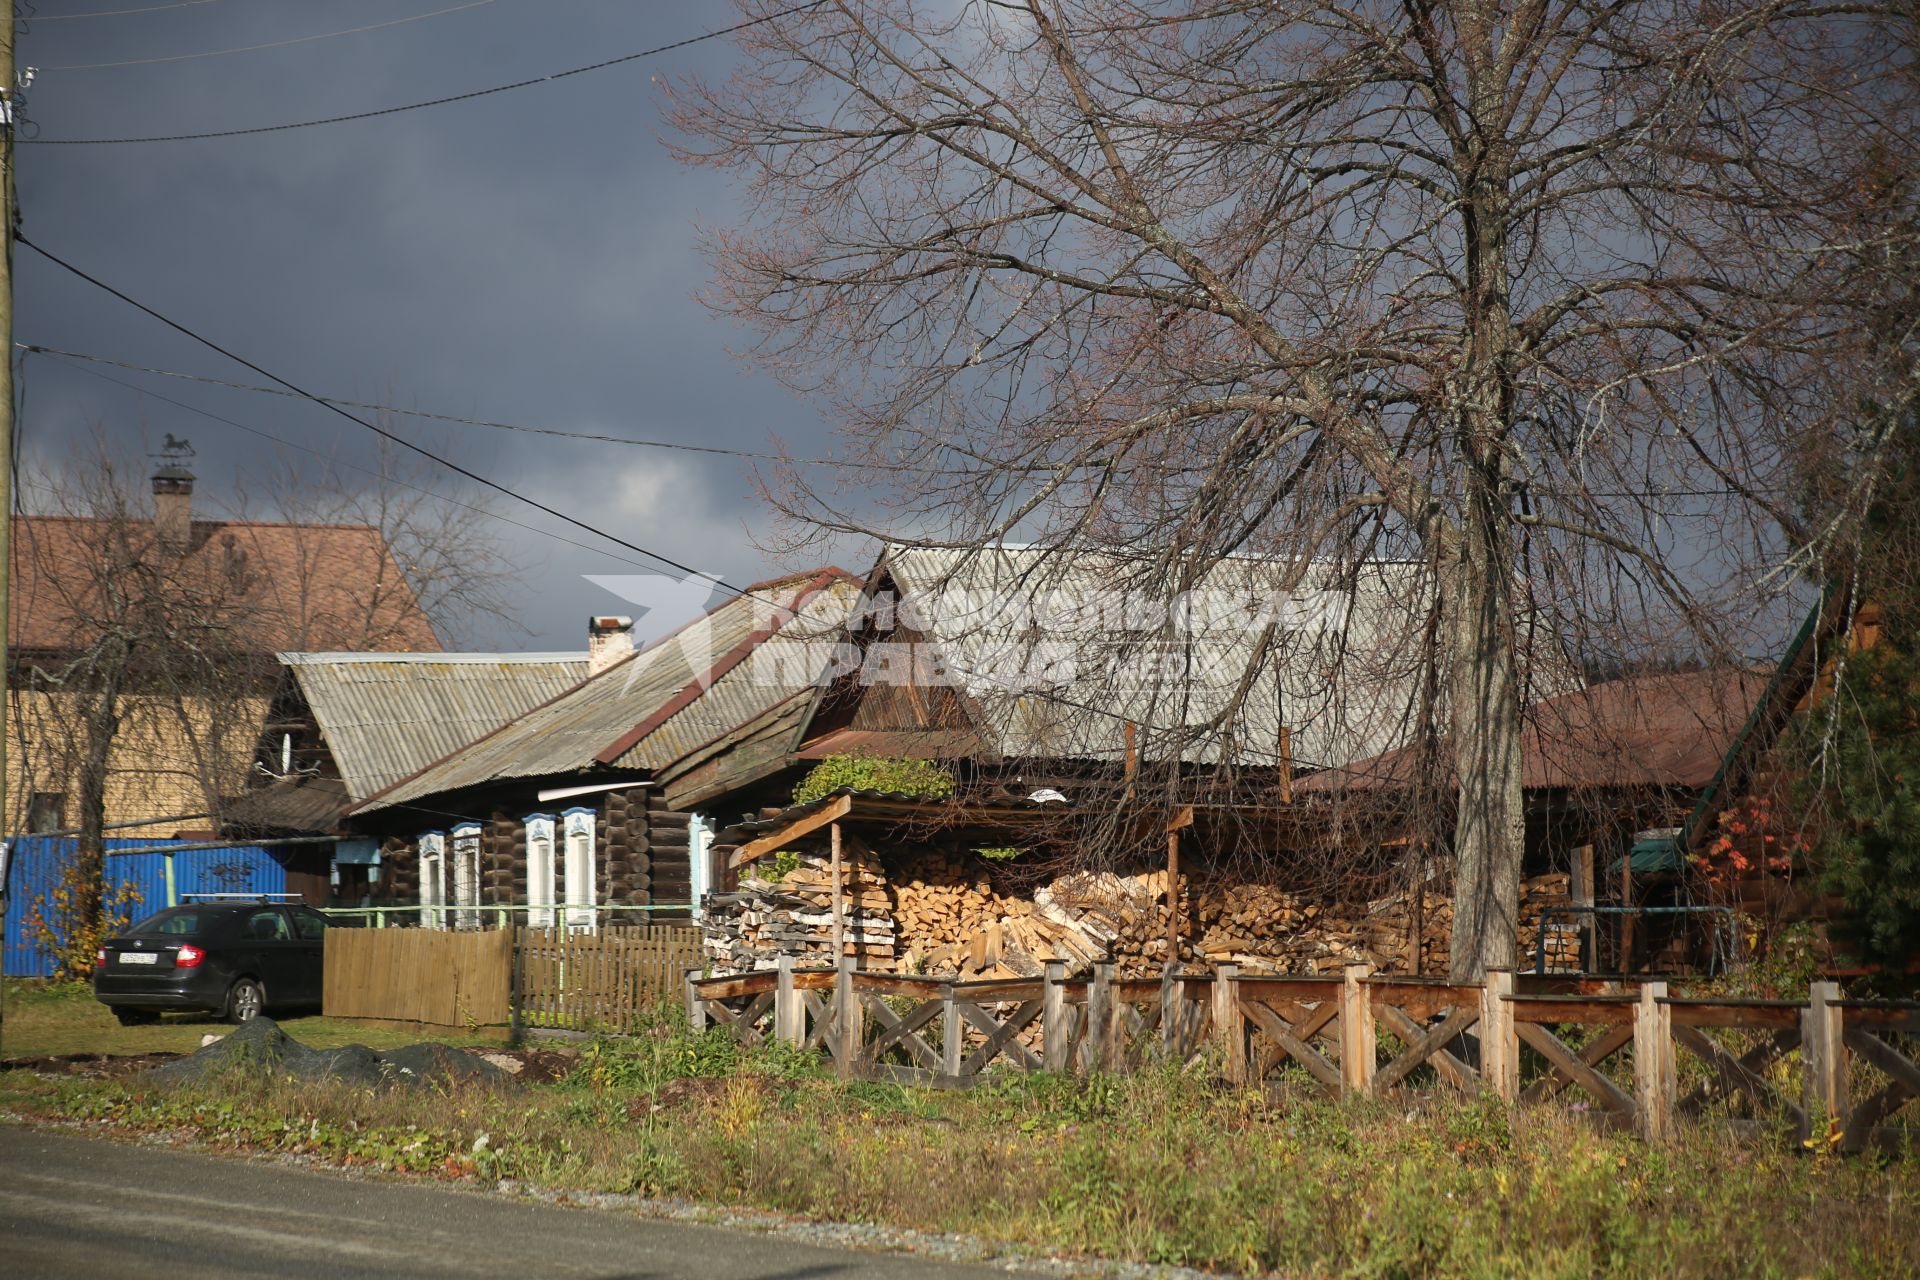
x,y
793,914
1562,930
944,913
1263,929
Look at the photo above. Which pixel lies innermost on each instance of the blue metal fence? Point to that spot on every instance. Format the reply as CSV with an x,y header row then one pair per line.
x,y
39,860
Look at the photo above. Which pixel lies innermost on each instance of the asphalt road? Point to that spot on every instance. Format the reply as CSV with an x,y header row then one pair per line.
x,y
72,1206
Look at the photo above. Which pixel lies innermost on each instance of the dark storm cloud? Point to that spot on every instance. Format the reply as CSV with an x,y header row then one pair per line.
x,y
527,257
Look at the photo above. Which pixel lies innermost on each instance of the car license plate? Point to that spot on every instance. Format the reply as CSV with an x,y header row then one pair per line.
x,y
139,957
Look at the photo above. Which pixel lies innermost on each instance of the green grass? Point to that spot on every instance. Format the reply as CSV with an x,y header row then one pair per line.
x,y
1162,1166
45,1020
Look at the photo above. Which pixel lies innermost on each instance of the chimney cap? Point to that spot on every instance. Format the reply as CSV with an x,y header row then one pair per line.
x,y
172,472
610,622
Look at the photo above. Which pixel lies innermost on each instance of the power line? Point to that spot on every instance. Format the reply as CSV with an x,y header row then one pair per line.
x,y
117,13
273,44
475,422
431,102
333,461
378,430
736,453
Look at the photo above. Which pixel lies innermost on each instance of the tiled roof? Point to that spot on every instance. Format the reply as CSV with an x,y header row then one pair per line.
x,y
699,682
286,586
386,715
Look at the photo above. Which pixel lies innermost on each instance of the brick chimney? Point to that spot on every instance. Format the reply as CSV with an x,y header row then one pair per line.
x,y
173,505
609,639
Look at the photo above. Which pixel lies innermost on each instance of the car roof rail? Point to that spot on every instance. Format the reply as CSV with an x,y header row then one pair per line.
x,y
237,899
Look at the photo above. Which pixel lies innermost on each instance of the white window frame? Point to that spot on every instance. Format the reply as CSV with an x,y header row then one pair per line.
x,y
699,866
540,870
430,853
465,861
580,869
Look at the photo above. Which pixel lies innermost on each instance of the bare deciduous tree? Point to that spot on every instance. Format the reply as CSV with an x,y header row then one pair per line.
x,y
1545,295
143,651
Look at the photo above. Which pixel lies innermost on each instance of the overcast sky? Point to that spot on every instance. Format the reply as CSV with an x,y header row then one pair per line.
x,y
527,257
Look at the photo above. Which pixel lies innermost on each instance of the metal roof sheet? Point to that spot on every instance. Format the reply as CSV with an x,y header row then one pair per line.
x,y
385,716
641,712
1058,658
1661,730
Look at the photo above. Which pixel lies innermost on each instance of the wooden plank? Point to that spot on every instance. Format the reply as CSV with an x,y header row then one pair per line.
x,y
833,812
1737,1075
1000,1036
1423,1049
1577,1070
880,984
1055,1030
1747,1017
1357,1033
1653,1064
1602,1047
902,1032
1292,1044
1449,1068
1586,1011
748,984
1872,1049
1308,990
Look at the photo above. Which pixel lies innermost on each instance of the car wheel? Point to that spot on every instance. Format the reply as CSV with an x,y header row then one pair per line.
x,y
245,999
134,1017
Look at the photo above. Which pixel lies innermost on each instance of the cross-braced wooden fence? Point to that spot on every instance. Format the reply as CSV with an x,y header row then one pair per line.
x,y
1626,1051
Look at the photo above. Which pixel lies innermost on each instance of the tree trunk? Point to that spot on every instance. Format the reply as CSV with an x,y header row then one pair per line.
x,y
1490,825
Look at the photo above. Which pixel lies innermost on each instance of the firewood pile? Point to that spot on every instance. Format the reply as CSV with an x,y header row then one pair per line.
x,y
793,914
1263,929
944,913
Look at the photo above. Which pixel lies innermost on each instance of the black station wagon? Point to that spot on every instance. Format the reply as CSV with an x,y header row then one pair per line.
x,y
233,959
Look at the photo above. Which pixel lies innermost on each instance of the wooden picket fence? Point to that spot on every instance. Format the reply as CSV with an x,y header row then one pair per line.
x,y
609,980
418,975
1623,1049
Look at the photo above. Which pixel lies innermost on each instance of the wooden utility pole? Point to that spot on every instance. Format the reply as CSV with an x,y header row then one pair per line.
x,y
9,112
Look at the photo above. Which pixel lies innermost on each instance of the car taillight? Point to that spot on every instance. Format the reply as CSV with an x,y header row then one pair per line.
x,y
100,956
189,957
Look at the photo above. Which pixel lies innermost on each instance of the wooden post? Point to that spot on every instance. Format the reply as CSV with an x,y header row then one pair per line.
x,y
1053,1019
1581,895
1653,1064
950,1032
1286,765
1099,1039
1626,917
846,1018
1358,1036
1173,903
839,899
696,1008
1824,1051
1172,1011
1227,1028
789,1014
1499,1043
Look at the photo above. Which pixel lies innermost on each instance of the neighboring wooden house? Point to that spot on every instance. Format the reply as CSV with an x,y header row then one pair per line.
x,y
562,813
118,601
344,726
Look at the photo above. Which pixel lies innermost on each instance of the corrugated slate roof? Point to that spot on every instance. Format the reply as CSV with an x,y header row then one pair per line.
x,y
1051,677
680,691
387,715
